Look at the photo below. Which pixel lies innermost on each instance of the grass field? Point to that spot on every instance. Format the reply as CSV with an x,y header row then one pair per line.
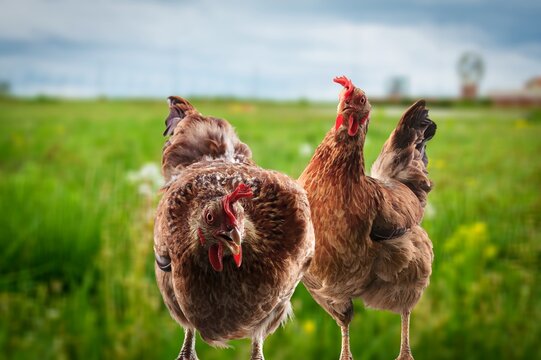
x,y
76,261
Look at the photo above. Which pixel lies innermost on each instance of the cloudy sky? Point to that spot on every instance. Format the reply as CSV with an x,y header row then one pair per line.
x,y
276,49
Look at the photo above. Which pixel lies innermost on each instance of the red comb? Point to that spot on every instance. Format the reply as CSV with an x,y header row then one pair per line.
x,y
242,191
345,82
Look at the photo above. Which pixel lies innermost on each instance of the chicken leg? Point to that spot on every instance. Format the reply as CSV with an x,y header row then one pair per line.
x,y
405,351
188,348
257,349
345,353
342,313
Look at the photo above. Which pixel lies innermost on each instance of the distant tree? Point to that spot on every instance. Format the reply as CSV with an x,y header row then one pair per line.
x,y
5,88
397,87
471,69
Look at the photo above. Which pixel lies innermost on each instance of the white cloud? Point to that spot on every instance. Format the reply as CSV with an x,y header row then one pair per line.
x,y
148,48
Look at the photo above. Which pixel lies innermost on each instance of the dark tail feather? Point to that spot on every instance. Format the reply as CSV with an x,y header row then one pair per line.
x,y
415,127
178,107
429,133
404,157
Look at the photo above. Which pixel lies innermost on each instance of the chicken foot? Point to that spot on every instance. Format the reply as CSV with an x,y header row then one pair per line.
x,y
257,349
188,347
405,350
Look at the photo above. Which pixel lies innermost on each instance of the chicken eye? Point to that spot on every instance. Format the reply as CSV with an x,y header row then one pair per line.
x,y
209,218
363,99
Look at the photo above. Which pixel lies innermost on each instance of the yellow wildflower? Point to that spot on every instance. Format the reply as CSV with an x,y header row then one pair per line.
x,y
309,326
521,123
18,140
490,252
438,164
479,229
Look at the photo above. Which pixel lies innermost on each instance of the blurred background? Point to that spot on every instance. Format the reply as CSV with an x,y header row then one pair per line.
x,y
82,104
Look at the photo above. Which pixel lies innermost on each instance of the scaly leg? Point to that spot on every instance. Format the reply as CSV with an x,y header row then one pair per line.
x,y
188,348
345,354
405,351
257,349
342,313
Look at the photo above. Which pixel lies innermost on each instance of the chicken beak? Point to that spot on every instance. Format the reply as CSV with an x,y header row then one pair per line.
x,y
231,239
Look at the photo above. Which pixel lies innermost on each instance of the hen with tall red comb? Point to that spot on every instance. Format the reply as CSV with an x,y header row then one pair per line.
x,y
369,240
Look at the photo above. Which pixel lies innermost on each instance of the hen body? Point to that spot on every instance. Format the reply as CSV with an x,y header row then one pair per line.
x,y
238,301
369,242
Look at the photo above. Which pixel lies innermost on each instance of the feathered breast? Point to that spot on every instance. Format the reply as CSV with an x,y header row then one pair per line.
x,y
277,212
275,249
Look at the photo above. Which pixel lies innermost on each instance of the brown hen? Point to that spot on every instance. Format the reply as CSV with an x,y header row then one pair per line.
x,y
231,240
369,243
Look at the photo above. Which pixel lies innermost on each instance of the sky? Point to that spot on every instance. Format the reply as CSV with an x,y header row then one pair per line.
x,y
262,49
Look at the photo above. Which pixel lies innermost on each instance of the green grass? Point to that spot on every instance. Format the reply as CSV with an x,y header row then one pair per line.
x,y
76,265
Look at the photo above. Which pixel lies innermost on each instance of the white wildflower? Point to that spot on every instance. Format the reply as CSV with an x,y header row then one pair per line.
x,y
148,178
430,210
52,313
145,189
305,149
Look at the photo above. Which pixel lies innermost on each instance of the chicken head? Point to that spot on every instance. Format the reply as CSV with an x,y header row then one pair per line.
x,y
221,227
353,106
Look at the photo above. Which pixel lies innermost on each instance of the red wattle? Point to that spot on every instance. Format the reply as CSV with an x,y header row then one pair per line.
x,y
238,258
216,252
339,121
353,126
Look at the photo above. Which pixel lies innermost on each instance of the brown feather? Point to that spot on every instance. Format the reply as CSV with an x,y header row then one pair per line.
x,y
403,157
195,137
350,209
238,302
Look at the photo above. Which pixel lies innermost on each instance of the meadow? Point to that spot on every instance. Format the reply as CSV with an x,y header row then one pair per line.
x,y
78,186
